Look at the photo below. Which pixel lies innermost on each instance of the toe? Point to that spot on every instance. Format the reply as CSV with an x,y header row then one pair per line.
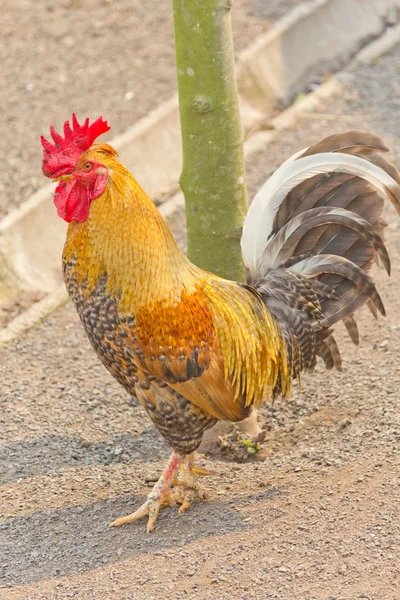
x,y
187,500
138,514
153,514
203,472
202,494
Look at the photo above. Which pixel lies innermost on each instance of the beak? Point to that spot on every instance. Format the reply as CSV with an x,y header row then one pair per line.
x,y
62,178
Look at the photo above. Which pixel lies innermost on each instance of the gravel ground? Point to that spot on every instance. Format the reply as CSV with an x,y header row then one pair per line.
x,y
314,516
94,57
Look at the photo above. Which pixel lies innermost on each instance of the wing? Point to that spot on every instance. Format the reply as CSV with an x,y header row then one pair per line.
x,y
218,347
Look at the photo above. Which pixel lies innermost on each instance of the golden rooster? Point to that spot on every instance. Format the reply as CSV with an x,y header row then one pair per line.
x,y
193,347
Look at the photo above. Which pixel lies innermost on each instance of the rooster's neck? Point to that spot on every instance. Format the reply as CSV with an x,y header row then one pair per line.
x,y
126,239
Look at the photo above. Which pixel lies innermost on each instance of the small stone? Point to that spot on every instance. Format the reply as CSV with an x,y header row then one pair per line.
x,y
344,424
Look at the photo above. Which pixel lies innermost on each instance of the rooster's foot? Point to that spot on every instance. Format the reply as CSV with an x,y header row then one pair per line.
x,y
179,473
186,484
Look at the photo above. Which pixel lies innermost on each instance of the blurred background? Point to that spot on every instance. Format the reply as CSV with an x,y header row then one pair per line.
x,y
109,57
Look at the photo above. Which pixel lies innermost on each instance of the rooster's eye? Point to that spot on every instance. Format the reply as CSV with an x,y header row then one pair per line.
x,y
88,167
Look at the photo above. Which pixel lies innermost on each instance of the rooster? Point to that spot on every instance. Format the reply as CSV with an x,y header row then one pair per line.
x,y
193,347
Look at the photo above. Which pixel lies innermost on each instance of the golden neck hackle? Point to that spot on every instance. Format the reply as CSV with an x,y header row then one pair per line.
x,y
126,238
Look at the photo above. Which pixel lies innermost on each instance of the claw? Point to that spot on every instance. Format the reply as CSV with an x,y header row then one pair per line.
x,y
203,472
150,508
141,512
180,473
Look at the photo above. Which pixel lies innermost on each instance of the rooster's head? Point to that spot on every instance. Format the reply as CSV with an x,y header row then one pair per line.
x,y
69,161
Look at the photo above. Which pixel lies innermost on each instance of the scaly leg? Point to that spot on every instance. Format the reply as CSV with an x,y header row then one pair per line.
x,y
179,472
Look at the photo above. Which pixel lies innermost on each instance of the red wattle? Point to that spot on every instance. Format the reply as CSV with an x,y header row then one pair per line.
x,y
72,198
72,201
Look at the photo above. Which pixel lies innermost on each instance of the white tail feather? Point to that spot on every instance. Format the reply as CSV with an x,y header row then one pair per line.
x,y
261,201
258,225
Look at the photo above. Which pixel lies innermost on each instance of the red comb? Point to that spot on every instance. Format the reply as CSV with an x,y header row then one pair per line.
x,y
61,157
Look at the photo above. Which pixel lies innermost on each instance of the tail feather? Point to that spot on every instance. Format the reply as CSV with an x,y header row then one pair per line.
x,y
352,329
333,347
319,190
372,309
358,142
327,263
259,221
283,245
368,206
318,220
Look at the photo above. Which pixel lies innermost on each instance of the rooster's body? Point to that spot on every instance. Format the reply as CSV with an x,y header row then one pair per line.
x,y
193,347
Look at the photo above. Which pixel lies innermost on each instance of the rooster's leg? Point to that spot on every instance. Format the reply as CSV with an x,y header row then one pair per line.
x,y
163,494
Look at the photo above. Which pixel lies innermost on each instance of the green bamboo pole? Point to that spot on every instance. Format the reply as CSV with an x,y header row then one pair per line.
x,y
213,176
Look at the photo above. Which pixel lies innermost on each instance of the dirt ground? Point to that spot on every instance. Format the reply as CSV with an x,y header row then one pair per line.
x,y
109,57
314,516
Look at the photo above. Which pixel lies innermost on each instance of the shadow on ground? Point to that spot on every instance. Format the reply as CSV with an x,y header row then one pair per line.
x,y
50,453
54,543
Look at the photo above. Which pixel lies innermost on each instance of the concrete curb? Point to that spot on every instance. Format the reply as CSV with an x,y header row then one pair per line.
x,y
277,65
306,43
33,316
286,120
377,48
